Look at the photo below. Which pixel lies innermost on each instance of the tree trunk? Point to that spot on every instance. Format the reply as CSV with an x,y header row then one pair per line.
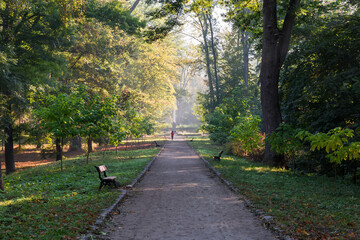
x,y
59,142
9,144
174,122
204,30
213,50
58,149
19,133
275,48
89,143
1,179
134,6
75,143
246,48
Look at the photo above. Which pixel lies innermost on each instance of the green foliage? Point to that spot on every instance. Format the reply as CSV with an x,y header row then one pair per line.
x,y
149,77
165,18
223,118
236,97
44,203
96,115
247,133
219,124
320,81
31,34
59,115
335,142
246,15
113,13
285,141
119,131
303,206
138,125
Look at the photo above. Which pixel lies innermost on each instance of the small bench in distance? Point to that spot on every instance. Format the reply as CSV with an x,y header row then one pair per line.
x,y
217,158
105,180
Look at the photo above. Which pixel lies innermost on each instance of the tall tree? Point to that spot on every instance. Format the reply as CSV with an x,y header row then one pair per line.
x,y
30,33
205,31
150,76
276,40
214,54
246,49
58,115
188,67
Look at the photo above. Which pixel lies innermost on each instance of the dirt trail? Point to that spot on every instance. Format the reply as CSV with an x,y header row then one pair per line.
x,y
180,199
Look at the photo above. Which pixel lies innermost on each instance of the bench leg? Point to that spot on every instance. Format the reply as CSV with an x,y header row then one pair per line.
x,y
216,158
101,184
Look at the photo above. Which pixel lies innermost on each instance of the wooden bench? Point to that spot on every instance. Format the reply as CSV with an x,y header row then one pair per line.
x,y
156,144
105,180
217,158
45,153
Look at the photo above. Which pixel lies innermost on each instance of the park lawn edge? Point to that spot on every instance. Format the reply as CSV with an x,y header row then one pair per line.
x,y
303,206
44,203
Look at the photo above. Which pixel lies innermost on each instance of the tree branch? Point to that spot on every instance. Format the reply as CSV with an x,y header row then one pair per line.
x,y
286,31
134,6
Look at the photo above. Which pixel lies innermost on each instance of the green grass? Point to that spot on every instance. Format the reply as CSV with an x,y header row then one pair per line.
x,y
45,203
304,206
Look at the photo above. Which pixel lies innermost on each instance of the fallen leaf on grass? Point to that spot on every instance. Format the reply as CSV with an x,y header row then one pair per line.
x,y
352,235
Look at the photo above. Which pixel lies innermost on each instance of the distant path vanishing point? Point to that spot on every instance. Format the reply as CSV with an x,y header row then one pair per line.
x,y
180,199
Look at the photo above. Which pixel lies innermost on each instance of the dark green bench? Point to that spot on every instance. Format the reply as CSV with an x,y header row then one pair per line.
x,y
217,158
105,180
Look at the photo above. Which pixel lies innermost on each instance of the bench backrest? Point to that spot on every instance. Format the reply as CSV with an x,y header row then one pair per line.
x,y
220,153
101,169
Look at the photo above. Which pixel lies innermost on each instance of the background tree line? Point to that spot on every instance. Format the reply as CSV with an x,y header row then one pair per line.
x,y
284,68
80,68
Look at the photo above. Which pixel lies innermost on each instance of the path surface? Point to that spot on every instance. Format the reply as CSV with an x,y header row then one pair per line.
x,y
180,199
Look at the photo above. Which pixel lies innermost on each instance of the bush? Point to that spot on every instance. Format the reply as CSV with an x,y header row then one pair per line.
x,y
284,141
246,134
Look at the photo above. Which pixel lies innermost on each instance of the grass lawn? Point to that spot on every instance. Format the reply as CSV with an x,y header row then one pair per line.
x,y
304,206
45,203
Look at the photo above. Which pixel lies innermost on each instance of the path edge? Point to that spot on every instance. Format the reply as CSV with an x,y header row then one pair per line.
x,y
266,220
123,193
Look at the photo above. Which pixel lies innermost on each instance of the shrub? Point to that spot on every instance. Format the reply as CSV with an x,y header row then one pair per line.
x,y
246,133
284,141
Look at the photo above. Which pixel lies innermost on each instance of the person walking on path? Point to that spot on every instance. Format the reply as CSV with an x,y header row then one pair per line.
x,y
172,135
179,199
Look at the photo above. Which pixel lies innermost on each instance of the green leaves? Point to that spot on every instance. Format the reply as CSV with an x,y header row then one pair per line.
x,y
247,132
335,142
319,84
59,115
113,14
285,141
96,114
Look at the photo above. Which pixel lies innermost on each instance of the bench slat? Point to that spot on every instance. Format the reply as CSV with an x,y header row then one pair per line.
x,y
109,178
102,168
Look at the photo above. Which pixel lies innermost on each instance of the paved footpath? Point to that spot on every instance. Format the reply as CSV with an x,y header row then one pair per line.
x,y
180,199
